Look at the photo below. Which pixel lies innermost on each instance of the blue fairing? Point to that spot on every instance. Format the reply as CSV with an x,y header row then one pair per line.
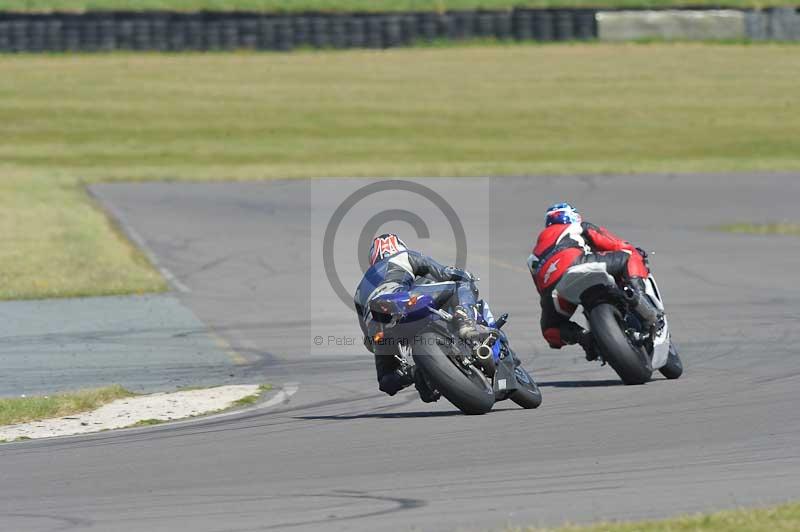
x,y
403,306
487,318
412,308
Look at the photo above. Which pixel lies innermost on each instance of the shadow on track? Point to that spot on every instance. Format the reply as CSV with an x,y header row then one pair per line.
x,y
579,384
391,415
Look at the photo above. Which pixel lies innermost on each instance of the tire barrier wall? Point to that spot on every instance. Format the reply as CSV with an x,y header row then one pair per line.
x,y
779,24
163,31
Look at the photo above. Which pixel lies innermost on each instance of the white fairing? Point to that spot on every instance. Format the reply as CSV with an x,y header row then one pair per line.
x,y
533,262
661,343
577,279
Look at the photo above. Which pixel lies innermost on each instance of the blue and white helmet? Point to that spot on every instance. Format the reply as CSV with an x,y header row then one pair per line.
x,y
562,213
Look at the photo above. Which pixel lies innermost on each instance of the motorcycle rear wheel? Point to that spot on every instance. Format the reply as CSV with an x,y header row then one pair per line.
x,y
465,387
630,362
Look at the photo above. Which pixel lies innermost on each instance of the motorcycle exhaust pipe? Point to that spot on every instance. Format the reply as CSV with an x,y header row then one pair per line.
x,y
484,352
486,357
643,308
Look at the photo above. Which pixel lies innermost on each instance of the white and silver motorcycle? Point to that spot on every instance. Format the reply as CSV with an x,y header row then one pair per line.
x,y
623,340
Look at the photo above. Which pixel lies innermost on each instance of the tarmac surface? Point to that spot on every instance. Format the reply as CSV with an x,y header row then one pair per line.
x,y
338,455
145,343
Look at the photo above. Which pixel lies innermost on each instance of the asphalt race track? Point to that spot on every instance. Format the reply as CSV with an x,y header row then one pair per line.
x,y
341,456
145,343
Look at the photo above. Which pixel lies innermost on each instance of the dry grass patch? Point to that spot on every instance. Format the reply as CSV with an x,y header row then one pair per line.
x,y
783,228
22,409
784,518
599,108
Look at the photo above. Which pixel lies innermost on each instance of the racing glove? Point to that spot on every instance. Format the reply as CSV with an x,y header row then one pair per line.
x,y
457,274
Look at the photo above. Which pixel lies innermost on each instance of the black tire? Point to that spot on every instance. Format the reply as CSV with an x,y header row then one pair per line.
x,y
469,392
674,367
528,394
631,363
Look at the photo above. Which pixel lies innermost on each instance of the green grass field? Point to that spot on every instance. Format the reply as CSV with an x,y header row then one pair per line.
x,y
779,228
784,518
21,409
66,120
353,5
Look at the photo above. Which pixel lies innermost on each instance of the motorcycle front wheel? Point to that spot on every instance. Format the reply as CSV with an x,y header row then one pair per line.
x,y
528,395
674,367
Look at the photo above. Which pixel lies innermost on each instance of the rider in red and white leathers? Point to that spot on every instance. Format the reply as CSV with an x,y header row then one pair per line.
x,y
569,241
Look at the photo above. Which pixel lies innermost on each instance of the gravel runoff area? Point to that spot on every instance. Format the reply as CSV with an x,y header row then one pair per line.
x,y
130,411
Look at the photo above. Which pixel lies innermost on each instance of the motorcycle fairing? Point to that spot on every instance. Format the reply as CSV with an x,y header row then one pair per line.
x,y
412,305
486,317
661,341
505,379
577,279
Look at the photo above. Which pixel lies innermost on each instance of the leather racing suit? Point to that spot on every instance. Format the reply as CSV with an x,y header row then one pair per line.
x,y
561,246
398,273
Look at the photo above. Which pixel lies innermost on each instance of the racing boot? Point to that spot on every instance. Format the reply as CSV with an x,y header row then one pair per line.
x,y
466,326
398,378
589,345
426,391
394,381
572,333
641,304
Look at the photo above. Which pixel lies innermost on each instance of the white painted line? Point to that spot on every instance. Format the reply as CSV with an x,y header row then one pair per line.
x,y
140,242
283,395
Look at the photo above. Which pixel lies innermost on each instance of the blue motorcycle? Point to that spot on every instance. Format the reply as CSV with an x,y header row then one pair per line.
x,y
471,375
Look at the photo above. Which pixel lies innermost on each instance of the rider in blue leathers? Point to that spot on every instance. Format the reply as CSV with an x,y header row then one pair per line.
x,y
395,268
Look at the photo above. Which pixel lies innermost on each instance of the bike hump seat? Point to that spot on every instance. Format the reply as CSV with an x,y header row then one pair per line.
x,y
579,278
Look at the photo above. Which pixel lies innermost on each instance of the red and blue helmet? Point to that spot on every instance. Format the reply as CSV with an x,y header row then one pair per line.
x,y
562,213
385,245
